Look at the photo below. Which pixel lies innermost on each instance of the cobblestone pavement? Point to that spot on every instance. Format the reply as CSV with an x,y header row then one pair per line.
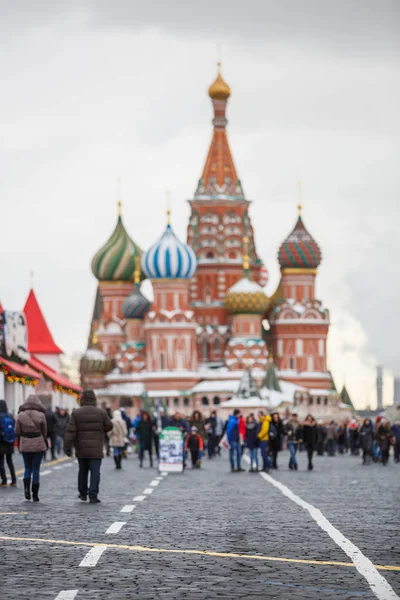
x,y
264,544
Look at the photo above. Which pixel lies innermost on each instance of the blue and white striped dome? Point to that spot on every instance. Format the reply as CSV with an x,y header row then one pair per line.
x,y
169,258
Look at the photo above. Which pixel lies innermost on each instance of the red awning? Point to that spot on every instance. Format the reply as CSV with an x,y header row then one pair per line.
x,y
18,369
54,376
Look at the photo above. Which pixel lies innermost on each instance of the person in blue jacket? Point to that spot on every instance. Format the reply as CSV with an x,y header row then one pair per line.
x,y
232,433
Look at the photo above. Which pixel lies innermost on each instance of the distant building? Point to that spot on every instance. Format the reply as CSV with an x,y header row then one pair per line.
x,y
396,391
203,333
379,387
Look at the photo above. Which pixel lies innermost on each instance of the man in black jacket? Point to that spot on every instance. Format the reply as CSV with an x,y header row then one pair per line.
x,y
86,430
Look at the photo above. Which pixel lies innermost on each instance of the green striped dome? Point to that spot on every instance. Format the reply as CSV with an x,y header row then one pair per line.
x,y
115,261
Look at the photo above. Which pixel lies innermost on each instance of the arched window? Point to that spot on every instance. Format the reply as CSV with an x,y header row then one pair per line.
x,y
318,400
310,400
291,363
210,255
217,346
216,400
204,349
207,296
176,402
204,401
326,401
186,402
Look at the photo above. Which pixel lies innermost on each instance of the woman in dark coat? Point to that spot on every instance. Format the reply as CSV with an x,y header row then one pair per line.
x,y
367,441
276,443
252,441
383,436
310,438
144,431
6,447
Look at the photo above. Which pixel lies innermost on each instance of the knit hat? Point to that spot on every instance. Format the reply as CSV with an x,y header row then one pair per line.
x,y
194,429
88,397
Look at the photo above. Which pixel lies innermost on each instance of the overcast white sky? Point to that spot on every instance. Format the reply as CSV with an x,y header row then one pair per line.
x,y
93,90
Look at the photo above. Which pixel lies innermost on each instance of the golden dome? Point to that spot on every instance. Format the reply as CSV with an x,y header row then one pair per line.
x,y
219,90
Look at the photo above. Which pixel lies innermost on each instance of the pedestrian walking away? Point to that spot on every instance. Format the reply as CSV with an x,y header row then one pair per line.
x,y
384,436
117,437
263,436
396,440
31,430
144,431
51,423
7,439
367,441
210,427
309,437
86,431
232,433
276,441
194,445
62,418
293,436
252,442
331,438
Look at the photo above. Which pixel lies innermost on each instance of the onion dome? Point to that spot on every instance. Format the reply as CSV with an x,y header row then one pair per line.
x,y
169,258
136,305
299,250
246,297
219,90
115,261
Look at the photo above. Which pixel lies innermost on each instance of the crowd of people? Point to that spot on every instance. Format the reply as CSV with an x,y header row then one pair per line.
x,y
90,429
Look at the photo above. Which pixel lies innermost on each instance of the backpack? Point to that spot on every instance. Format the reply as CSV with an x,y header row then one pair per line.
x,y
7,429
272,432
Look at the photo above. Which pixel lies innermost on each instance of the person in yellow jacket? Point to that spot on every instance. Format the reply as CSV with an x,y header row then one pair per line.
x,y
263,436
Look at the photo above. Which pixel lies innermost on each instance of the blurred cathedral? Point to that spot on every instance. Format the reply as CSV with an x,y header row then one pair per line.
x,y
210,324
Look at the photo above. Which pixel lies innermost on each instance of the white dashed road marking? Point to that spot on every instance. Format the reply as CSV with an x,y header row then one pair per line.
x,y
148,491
378,584
67,595
115,527
128,508
139,498
155,483
93,556
164,474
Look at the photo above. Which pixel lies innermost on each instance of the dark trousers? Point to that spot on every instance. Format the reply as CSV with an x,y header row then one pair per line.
x,y
264,455
194,455
367,457
10,464
156,439
85,465
52,437
32,462
141,456
397,451
310,452
385,456
331,447
274,453
211,441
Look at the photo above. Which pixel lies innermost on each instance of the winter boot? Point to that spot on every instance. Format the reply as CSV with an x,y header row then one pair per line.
x,y
27,488
35,491
116,462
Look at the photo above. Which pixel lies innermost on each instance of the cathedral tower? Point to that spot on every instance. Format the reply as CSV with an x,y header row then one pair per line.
x,y
219,220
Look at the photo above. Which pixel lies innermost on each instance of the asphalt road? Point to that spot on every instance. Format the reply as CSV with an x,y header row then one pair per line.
x,y
206,534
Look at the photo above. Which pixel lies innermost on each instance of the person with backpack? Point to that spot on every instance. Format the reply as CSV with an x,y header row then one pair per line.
x,y
7,439
31,430
194,444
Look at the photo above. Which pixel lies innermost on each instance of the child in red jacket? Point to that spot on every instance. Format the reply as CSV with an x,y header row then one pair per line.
x,y
194,444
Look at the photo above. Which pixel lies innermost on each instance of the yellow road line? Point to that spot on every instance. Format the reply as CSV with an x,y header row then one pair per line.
x,y
13,513
197,552
48,464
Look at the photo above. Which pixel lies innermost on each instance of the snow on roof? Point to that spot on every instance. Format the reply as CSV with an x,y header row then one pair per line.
x,y
167,393
217,385
245,403
122,389
304,374
246,286
322,392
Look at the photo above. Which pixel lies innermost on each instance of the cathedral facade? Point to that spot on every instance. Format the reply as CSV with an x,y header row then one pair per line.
x,y
210,321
